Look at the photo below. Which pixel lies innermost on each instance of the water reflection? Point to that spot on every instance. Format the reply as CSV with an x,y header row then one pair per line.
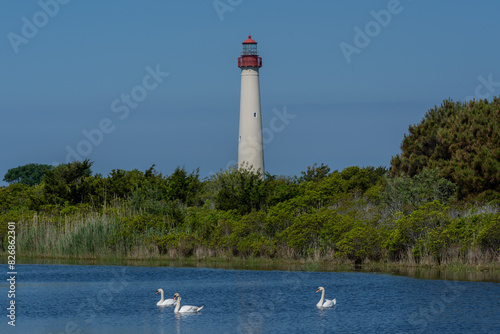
x,y
324,319
421,273
451,275
178,323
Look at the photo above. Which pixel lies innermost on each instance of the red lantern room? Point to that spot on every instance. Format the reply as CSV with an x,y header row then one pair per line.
x,y
249,56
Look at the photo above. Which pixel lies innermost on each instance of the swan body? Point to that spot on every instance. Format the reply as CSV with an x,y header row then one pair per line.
x,y
325,302
163,301
185,308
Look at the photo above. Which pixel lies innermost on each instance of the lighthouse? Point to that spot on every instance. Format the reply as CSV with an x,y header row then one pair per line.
x,y
250,145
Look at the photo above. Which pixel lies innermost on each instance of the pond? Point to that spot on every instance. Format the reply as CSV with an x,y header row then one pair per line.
x,y
121,299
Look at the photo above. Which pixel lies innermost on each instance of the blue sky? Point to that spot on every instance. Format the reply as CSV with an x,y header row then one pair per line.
x,y
330,93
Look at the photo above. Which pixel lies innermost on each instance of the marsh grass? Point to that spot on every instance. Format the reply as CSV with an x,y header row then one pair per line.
x,y
80,238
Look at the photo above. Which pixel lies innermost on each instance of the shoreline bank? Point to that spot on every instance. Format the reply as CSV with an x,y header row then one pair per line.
x,y
461,272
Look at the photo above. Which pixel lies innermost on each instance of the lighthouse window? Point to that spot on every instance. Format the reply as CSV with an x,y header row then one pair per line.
x,y
254,115
249,49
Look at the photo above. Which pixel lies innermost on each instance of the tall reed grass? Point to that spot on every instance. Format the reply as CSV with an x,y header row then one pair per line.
x,y
81,239
83,234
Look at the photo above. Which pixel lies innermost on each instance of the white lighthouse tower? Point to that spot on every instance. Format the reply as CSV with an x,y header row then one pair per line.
x,y
250,146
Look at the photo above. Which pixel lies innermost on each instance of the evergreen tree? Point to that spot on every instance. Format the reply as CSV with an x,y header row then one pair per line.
x,y
30,174
459,139
69,182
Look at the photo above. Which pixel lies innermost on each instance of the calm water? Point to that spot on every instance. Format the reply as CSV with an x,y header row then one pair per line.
x,y
114,299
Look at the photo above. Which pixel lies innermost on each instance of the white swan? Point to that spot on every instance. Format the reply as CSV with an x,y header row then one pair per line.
x,y
163,301
185,308
325,302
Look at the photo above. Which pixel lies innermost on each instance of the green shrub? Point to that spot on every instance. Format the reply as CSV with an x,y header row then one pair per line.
x,y
360,243
489,236
413,229
182,243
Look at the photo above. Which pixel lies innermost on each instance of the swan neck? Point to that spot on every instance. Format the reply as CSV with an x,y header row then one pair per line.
x,y
162,296
176,310
322,298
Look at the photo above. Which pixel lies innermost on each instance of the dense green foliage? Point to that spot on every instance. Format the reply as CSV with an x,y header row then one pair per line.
x,y
69,183
30,174
459,139
426,212
355,215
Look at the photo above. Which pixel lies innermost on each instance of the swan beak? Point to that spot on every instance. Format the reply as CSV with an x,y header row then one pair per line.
x,y
317,291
